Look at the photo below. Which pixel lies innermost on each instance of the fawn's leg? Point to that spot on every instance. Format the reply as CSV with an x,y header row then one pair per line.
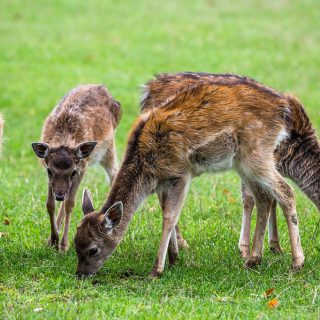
x,y
274,242
68,207
263,202
109,162
50,204
172,201
61,216
248,205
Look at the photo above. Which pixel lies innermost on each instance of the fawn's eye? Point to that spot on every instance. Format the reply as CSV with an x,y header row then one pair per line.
x,y
73,174
93,252
50,174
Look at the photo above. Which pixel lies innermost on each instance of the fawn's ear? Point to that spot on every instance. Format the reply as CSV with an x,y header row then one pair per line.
x,y
84,149
113,215
87,203
41,149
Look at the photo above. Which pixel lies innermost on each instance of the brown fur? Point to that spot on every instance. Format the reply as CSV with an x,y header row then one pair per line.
x,y
210,125
78,132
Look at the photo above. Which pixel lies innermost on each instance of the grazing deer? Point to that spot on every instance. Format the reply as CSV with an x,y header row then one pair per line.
x,y
225,122
78,132
297,156
1,131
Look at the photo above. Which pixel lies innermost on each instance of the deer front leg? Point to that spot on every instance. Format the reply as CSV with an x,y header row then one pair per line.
x,y
50,204
248,205
176,236
68,207
172,201
274,242
60,218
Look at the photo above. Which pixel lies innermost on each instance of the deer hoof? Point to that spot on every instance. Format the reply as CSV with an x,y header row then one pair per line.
x,y
297,264
155,273
244,251
275,248
252,262
53,241
63,247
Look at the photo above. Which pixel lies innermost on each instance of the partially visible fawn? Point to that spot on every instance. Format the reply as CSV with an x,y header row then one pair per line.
x,y
78,132
227,122
297,156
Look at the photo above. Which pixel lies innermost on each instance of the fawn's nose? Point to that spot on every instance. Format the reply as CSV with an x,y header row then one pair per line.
x,y
59,196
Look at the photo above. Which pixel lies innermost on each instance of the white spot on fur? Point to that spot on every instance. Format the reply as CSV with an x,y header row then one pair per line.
x,y
283,134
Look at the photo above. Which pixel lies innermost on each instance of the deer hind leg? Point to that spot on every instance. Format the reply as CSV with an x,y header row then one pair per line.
x,y
274,243
248,205
109,162
50,204
285,197
244,241
68,207
172,202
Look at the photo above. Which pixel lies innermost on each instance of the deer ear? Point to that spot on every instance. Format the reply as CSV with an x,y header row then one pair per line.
x,y
41,149
113,215
87,204
84,149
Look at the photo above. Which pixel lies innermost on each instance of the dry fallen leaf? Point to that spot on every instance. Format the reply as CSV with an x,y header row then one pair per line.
x,y
272,304
269,292
225,191
152,209
6,221
232,200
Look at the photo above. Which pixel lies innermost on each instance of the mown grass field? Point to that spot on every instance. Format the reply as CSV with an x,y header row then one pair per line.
x,y
48,47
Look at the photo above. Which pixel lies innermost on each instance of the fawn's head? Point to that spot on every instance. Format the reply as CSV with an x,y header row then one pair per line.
x,y
62,164
95,240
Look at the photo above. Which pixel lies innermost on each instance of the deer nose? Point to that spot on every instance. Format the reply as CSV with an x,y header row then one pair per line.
x,y
59,196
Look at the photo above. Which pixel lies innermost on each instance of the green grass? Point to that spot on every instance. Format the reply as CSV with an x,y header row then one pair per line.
x,y
48,47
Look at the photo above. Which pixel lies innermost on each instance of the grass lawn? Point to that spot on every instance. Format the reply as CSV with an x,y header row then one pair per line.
x,y
48,47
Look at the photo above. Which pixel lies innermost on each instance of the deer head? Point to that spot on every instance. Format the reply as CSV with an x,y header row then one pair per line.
x,y
95,240
62,164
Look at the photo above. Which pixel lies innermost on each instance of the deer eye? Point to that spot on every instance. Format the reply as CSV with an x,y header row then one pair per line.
x,y
93,252
50,174
73,174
